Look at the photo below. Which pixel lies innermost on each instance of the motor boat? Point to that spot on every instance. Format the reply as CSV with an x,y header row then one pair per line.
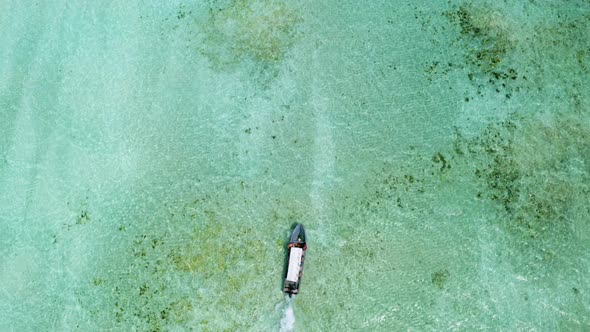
x,y
297,247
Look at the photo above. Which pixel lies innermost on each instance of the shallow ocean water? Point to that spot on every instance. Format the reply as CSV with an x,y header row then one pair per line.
x,y
153,158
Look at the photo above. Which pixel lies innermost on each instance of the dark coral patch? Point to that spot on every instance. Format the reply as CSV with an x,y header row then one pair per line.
x,y
262,31
486,38
440,277
533,171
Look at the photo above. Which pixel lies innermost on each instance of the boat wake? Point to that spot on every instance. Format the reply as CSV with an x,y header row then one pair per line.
x,y
288,321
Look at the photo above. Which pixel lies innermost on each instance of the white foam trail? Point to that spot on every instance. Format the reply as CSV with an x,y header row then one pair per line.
x,y
324,158
288,321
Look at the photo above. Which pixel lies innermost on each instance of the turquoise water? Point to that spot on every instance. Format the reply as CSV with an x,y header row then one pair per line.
x,y
153,158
